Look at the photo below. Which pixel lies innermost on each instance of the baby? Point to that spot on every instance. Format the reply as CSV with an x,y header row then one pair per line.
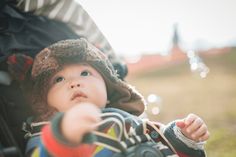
x,y
72,81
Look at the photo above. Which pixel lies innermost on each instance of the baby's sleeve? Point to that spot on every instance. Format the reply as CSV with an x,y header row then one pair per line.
x,y
52,143
182,144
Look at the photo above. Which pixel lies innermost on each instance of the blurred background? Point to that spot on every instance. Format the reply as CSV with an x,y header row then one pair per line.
x,y
181,56
175,88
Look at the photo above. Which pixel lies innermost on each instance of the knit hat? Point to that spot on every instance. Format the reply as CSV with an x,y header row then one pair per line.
x,y
52,59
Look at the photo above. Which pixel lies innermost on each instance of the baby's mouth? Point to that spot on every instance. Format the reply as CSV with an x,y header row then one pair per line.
x,y
78,95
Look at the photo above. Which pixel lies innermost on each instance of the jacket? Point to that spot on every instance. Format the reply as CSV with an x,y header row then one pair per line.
x,y
166,138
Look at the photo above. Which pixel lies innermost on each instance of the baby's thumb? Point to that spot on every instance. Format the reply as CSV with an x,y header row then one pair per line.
x,y
180,123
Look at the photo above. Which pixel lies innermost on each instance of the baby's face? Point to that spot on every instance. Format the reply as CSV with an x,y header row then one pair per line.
x,y
75,84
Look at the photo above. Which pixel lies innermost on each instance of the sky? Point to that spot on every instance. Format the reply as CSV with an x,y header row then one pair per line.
x,y
146,26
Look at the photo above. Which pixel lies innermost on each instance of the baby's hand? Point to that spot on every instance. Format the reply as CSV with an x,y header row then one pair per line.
x,y
79,120
193,127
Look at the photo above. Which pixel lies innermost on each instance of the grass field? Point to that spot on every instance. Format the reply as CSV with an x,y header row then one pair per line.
x,y
213,98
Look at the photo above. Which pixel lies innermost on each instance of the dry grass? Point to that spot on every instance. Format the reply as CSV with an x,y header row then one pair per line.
x,y
213,98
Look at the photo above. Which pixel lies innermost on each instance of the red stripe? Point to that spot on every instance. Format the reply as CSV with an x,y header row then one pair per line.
x,y
182,154
27,63
12,59
29,60
60,150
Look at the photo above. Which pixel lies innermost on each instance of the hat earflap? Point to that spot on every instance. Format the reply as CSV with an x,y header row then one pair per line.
x,y
124,96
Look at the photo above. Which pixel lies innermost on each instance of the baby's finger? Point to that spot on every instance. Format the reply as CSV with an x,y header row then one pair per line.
x,y
180,123
199,132
205,136
190,118
194,125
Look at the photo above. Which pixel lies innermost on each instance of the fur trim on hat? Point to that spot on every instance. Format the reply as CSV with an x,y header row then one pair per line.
x,y
50,60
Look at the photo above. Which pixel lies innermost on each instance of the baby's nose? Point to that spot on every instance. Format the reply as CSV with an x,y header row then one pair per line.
x,y
74,84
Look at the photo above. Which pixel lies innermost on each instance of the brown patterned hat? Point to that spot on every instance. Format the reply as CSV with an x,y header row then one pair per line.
x,y
51,59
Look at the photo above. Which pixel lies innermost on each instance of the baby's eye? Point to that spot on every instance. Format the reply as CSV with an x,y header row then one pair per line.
x,y
59,79
85,73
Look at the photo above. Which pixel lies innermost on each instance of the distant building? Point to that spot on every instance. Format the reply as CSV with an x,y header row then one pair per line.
x,y
176,52
175,38
155,61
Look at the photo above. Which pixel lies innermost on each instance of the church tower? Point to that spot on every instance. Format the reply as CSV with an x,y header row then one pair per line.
x,y
175,38
176,51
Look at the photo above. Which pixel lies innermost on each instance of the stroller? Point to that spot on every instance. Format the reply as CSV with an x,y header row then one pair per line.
x,y
26,33
15,26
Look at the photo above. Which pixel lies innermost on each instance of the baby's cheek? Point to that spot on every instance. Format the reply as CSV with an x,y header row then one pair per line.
x,y
54,100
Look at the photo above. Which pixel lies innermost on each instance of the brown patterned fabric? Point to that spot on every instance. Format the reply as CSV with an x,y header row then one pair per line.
x,y
50,60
